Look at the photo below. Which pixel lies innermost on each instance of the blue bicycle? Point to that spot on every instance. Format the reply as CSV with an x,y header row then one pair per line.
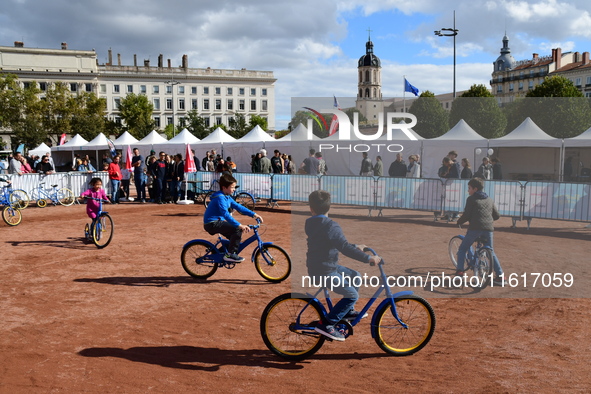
x,y
11,213
401,325
101,230
63,196
478,259
201,258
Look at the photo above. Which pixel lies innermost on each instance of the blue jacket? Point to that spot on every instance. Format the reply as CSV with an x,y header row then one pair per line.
x,y
219,209
325,241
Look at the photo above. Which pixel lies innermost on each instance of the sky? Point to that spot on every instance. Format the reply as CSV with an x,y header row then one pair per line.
x,y
312,46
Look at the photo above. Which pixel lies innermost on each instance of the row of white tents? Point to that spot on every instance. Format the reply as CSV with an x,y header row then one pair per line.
x,y
526,150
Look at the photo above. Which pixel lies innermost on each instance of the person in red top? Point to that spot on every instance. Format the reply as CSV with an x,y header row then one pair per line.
x,y
115,177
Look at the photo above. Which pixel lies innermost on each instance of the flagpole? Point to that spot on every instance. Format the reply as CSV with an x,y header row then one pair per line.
x,y
404,93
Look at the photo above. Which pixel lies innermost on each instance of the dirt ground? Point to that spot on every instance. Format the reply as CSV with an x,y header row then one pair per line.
x,y
127,318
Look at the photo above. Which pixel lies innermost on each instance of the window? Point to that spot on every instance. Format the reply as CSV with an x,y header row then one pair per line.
x,y
207,123
181,89
264,105
115,88
193,89
26,85
520,85
88,87
241,91
73,87
118,120
230,104
116,103
155,89
218,104
206,104
253,91
103,88
205,90
168,89
168,103
169,120
218,90
263,92
511,87
143,89
229,91
182,104
241,105
218,120
157,121
588,81
43,85
578,82
193,103
499,88
129,88
253,105
157,104
531,84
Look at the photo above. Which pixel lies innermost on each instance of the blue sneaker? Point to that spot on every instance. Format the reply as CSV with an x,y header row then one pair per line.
x,y
329,332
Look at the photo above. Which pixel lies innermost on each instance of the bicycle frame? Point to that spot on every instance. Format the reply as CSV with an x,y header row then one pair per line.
x,y
473,253
51,195
254,237
390,297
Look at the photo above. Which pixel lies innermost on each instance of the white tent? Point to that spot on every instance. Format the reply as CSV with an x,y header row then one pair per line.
x,y
124,140
152,141
215,140
40,150
242,149
461,138
528,152
179,143
74,144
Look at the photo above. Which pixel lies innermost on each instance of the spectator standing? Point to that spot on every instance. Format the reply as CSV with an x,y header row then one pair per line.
x,y
115,179
310,164
291,169
139,175
231,164
466,170
265,162
322,167
414,168
497,172
159,169
25,167
178,174
125,181
44,166
277,162
15,164
378,168
485,170
256,163
398,167
205,160
366,166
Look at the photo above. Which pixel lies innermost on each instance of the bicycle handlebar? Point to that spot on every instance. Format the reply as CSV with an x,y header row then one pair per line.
x,y
96,199
373,252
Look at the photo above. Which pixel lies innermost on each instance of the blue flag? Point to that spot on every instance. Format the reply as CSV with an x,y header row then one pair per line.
x,y
409,88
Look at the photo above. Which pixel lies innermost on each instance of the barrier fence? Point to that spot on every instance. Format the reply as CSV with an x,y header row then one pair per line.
x,y
519,200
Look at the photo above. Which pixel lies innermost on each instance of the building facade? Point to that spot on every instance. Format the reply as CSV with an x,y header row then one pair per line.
x,y
216,94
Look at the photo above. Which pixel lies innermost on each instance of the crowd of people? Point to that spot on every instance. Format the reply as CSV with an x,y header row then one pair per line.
x,y
490,169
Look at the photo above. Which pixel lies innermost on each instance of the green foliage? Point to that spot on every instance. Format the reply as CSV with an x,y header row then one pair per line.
x,y
480,110
58,109
88,115
350,113
238,126
281,133
318,127
136,111
196,124
432,119
256,120
555,86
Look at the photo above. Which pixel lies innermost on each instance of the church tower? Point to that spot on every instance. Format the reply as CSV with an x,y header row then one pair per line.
x,y
369,84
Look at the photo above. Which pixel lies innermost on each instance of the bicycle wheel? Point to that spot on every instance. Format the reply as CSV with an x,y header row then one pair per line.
x,y
483,267
207,199
41,203
12,216
396,340
102,230
65,197
287,326
246,200
454,245
199,259
19,199
272,263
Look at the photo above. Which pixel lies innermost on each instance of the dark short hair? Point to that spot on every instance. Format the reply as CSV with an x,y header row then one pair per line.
x,y
93,181
476,183
226,180
312,151
319,201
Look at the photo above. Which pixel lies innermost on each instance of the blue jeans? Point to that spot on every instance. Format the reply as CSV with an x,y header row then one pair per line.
x,y
115,190
140,186
349,292
175,188
469,239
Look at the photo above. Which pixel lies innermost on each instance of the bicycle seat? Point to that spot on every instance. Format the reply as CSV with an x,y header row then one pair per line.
x,y
480,240
54,185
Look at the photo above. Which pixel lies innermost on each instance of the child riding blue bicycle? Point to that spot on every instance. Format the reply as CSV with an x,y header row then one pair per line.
x,y
218,217
325,241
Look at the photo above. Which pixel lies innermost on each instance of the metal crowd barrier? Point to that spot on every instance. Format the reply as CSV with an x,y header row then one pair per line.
x,y
518,200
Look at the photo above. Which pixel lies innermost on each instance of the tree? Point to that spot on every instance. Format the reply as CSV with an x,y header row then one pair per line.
x,y
88,118
350,111
238,126
136,111
480,110
432,119
256,120
556,106
319,127
26,116
59,105
196,124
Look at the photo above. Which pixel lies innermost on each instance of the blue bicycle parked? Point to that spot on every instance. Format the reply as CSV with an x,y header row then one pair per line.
x,y
201,258
401,325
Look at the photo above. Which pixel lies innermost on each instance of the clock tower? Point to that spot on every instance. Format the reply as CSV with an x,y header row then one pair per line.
x,y
369,86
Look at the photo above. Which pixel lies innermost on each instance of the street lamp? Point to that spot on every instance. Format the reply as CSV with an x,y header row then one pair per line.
x,y
172,83
452,33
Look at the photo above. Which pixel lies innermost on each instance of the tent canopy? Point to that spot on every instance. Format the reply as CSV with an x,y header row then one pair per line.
x,y
183,138
460,132
124,140
582,140
74,144
99,142
218,136
40,150
152,139
527,134
257,134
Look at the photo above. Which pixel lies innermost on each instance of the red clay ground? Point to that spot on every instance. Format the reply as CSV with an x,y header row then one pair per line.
x,y
128,319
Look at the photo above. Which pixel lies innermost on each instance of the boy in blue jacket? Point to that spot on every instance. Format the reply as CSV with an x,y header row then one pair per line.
x,y
325,241
217,218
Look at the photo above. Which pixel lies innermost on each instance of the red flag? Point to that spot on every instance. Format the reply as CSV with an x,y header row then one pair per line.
x,y
189,161
63,139
128,157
